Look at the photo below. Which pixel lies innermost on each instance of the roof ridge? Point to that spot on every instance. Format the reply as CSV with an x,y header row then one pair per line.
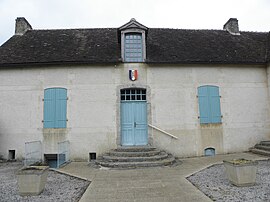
x,y
57,29
186,29
255,32
208,30
114,28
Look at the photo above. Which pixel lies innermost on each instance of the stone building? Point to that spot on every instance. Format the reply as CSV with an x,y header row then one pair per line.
x,y
183,91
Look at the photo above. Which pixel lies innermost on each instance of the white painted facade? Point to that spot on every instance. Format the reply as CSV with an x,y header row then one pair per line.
x,y
93,107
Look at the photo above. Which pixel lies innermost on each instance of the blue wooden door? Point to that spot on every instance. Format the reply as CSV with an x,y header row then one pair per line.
x,y
134,123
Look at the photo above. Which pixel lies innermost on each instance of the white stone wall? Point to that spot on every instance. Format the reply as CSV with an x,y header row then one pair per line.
x,y
93,107
90,109
244,106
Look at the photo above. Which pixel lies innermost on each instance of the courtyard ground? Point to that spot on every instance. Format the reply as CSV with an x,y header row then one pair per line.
x,y
59,187
166,184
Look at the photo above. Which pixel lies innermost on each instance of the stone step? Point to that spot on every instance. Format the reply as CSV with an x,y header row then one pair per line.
x,y
259,151
161,156
266,143
262,147
133,154
164,162
135,149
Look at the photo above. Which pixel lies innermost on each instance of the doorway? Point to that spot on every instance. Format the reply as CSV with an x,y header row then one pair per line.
x,y
133,117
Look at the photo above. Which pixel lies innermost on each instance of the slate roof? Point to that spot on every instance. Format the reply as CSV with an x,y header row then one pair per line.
x,y
62,46
268,49
205,46
91,46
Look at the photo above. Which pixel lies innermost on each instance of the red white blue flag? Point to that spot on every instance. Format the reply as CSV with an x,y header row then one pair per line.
x,y
133,74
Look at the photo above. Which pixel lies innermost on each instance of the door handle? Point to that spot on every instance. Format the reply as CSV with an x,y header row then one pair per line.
x,y
134,124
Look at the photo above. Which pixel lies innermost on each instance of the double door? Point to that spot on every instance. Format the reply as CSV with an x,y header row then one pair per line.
x,y
134,123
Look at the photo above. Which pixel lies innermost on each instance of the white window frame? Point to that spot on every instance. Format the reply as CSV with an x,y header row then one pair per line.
x,y
130,31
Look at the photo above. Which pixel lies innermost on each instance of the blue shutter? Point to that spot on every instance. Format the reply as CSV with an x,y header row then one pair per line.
x,y
61,108
209,104
214,99
49,108
203,104
55,108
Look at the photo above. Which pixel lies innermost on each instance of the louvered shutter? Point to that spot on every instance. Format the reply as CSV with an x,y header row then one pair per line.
x,y
49,108
61,108
55,108
209,104
214,98
203,104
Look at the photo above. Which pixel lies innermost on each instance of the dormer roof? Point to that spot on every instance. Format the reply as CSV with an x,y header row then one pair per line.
x,y
133,24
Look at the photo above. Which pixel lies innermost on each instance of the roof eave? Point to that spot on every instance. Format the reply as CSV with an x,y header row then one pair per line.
x,y
209,62
58,63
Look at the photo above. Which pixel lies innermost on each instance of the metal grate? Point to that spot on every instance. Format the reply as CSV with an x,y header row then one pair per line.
x,y
209,151
33,153
63,153
133,94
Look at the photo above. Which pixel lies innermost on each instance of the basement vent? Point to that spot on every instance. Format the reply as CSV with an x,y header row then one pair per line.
x,y
210,151
51,160
11,154
92,156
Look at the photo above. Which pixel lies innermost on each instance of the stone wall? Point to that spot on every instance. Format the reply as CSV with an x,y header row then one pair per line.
x,y
93,107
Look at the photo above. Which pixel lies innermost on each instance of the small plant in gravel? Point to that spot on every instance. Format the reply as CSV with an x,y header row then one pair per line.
x,y
240,161
38,163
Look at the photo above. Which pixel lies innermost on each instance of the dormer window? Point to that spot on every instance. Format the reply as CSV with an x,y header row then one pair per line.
x,y
133,41
133,47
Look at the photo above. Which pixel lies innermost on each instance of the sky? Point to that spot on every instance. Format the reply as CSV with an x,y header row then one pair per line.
x,y
252,15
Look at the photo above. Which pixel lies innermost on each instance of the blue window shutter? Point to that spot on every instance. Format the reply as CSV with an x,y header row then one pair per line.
x,y
214,99
61,108
49,108
55,108
209,104
204,104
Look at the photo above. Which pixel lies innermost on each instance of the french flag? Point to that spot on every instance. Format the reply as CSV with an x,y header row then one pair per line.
x,y
133,74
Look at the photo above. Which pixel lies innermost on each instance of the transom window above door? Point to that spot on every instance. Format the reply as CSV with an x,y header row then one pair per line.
x,y
133,94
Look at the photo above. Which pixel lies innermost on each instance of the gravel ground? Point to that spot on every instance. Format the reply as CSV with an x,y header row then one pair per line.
x,y
213,182
59,187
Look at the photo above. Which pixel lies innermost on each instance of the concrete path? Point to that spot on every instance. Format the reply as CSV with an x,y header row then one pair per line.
x,y
166,184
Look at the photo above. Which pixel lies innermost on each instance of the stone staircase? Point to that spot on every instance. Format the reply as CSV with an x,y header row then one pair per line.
x,y
263,148
134,157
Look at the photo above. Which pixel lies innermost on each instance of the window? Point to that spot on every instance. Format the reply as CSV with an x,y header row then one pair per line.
x,y
209,104
55,108
133,94
133,47
133,41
